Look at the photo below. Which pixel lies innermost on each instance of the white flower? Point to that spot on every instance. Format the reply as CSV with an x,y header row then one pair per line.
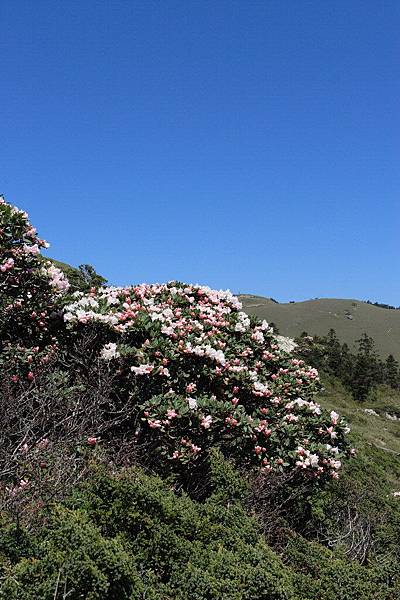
x,y
164,371
167,330
243,322
109,351
285,344
300,402
260,388
34,249
142,369
334,417
314,408
192,403
258,336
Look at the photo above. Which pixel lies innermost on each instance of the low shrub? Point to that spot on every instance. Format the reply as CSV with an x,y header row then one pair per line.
x,y
132,536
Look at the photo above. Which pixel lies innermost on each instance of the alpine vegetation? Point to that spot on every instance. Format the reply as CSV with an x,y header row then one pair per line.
x,y
157,442
195,370
203,374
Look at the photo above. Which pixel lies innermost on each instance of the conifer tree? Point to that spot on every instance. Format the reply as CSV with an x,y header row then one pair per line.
x,y
333,352
366,368
391,372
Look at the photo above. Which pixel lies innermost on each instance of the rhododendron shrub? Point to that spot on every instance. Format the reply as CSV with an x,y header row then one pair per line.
x,y
193,370
203,374
30,290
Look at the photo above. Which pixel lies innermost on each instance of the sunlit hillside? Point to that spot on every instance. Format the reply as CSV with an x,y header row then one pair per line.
x,y
349,318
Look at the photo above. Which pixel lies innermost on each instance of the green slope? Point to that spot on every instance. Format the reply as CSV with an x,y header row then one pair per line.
x,y
349,318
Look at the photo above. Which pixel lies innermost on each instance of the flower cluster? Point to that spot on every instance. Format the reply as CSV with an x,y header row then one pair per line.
x,y
30,290
204,374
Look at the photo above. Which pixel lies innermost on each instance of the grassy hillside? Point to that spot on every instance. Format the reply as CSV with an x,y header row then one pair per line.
x,y
349,318
375,423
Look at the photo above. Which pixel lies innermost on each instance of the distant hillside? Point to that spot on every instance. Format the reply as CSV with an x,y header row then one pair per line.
x,y
349,318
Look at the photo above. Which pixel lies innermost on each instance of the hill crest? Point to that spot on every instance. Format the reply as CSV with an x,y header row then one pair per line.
x,y
350,318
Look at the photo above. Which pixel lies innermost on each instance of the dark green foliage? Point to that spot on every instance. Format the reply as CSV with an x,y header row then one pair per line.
x,y
73,560
391,372
333,352
361,373
383,305
345,371
320,574
133,536
366,371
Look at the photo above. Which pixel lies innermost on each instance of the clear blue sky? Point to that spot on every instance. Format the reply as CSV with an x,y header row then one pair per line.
x,y
249,145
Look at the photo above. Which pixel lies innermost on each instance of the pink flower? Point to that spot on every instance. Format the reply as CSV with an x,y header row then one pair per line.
x,y
42,445
206,422
31,249
331,432
164,371
334,417
171,414
142,369
92,441
291,418
154,424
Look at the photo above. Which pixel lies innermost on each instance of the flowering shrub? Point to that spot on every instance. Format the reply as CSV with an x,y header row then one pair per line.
x,y
195,370
30,289
203,374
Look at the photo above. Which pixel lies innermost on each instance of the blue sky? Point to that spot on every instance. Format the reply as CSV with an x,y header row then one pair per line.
x,y
247,145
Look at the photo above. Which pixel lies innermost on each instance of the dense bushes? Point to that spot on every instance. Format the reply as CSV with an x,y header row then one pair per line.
x,y
100,389
131,536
